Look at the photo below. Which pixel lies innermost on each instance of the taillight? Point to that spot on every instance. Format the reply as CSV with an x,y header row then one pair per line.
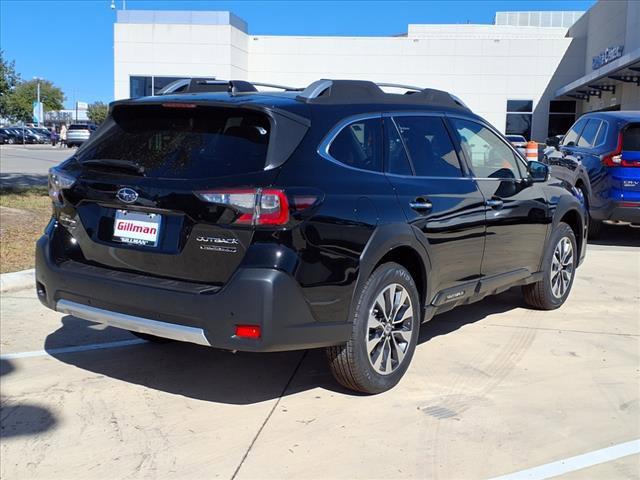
x,y
254,206
58,181
616,158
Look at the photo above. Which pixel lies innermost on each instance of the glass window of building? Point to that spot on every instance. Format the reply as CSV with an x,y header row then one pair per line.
x,y
519,116
562,114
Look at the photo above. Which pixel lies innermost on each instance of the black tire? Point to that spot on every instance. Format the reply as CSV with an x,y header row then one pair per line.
x,y
546,294
150,338
350,363
595,228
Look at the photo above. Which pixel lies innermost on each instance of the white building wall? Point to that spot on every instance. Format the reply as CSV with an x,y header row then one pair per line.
x,y
483,65
176,50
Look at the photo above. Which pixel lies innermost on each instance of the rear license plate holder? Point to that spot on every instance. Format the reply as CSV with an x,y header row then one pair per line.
x,y
137,228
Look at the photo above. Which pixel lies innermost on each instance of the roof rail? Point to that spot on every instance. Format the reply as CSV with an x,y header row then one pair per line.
x,y
329,92
275,85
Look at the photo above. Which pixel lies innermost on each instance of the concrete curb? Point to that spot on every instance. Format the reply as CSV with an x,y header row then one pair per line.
x,y
10,282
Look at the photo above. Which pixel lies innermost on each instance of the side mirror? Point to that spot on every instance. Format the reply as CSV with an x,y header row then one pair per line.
x,y
538,171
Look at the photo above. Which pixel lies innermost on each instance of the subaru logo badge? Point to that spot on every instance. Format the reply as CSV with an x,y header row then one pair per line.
x,y
127,195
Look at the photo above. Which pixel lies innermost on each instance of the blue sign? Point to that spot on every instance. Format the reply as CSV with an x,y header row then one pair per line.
x,y
606,56
38,117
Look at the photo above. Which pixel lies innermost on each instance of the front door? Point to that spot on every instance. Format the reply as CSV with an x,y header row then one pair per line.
x,y
517,213
438,197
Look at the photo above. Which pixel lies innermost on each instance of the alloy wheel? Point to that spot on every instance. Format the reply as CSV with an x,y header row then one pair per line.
x,y
389,329
562,267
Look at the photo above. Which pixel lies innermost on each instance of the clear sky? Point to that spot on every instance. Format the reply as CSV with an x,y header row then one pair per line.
x,y
71,42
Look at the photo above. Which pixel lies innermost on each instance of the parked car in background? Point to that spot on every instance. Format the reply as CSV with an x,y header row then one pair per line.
x,y
4,137
519,143
41,137
600,155
78,133
349,216
23,135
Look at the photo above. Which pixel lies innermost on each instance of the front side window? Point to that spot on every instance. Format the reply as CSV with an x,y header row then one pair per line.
x,y
430,149
489,156
588,136
574,132
359,145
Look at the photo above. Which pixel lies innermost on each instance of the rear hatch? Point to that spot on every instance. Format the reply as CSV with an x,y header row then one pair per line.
x,y
625,161
167,189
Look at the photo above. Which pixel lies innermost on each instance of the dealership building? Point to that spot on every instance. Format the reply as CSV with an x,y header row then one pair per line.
x,y
530,73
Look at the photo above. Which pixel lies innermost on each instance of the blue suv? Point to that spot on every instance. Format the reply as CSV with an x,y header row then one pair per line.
x,y
600,156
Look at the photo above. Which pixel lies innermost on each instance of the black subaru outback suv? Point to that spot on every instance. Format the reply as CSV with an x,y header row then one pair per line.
x,y
339,216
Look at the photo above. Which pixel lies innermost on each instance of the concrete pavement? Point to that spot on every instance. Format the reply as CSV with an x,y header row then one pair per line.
x,y
29,164
494,388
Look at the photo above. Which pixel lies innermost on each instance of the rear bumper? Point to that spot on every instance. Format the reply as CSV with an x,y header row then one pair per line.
x,y
625,212
256,296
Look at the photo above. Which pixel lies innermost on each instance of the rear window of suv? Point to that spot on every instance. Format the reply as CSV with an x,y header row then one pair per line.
x,y
188,142
631,138
78,127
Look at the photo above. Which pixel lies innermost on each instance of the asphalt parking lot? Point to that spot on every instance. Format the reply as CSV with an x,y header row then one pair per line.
x,y
494,388
29,164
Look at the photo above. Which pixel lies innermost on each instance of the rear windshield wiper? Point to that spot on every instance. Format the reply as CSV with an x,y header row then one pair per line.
x,y
115,163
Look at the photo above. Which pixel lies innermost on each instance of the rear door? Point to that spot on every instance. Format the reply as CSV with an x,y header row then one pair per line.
x,y
438,197
517,213
171,191
563,162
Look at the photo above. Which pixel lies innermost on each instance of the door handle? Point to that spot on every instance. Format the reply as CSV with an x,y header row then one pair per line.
x,y
421,205
494,203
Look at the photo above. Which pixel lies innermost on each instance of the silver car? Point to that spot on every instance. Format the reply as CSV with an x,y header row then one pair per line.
x,y
78,133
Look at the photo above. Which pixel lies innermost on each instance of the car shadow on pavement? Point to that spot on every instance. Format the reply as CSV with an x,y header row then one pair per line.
x,y
242,378
12,180
20,419
617,235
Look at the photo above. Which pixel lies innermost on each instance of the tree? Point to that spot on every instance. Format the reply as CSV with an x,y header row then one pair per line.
x,y
8,81
20,101
97,112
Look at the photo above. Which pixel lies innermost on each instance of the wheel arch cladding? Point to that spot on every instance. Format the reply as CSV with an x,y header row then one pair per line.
x,y
396,243
574,220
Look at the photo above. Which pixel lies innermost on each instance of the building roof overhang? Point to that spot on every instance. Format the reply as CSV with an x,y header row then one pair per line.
x,y
623,69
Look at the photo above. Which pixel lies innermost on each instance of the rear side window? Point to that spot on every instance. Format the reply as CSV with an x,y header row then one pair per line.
x,y
571,137
631,138
430,148
397,160
602,134
359,145
188,143
588,136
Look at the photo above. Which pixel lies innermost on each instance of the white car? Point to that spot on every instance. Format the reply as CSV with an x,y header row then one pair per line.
x,y
78,133
518,142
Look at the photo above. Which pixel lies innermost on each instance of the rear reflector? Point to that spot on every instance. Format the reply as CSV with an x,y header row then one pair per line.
x,y
248,331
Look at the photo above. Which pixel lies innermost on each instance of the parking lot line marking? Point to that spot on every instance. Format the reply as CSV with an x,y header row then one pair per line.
x,y
578,462
79,348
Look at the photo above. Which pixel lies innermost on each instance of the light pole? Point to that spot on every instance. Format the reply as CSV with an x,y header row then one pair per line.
x,y
113,4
